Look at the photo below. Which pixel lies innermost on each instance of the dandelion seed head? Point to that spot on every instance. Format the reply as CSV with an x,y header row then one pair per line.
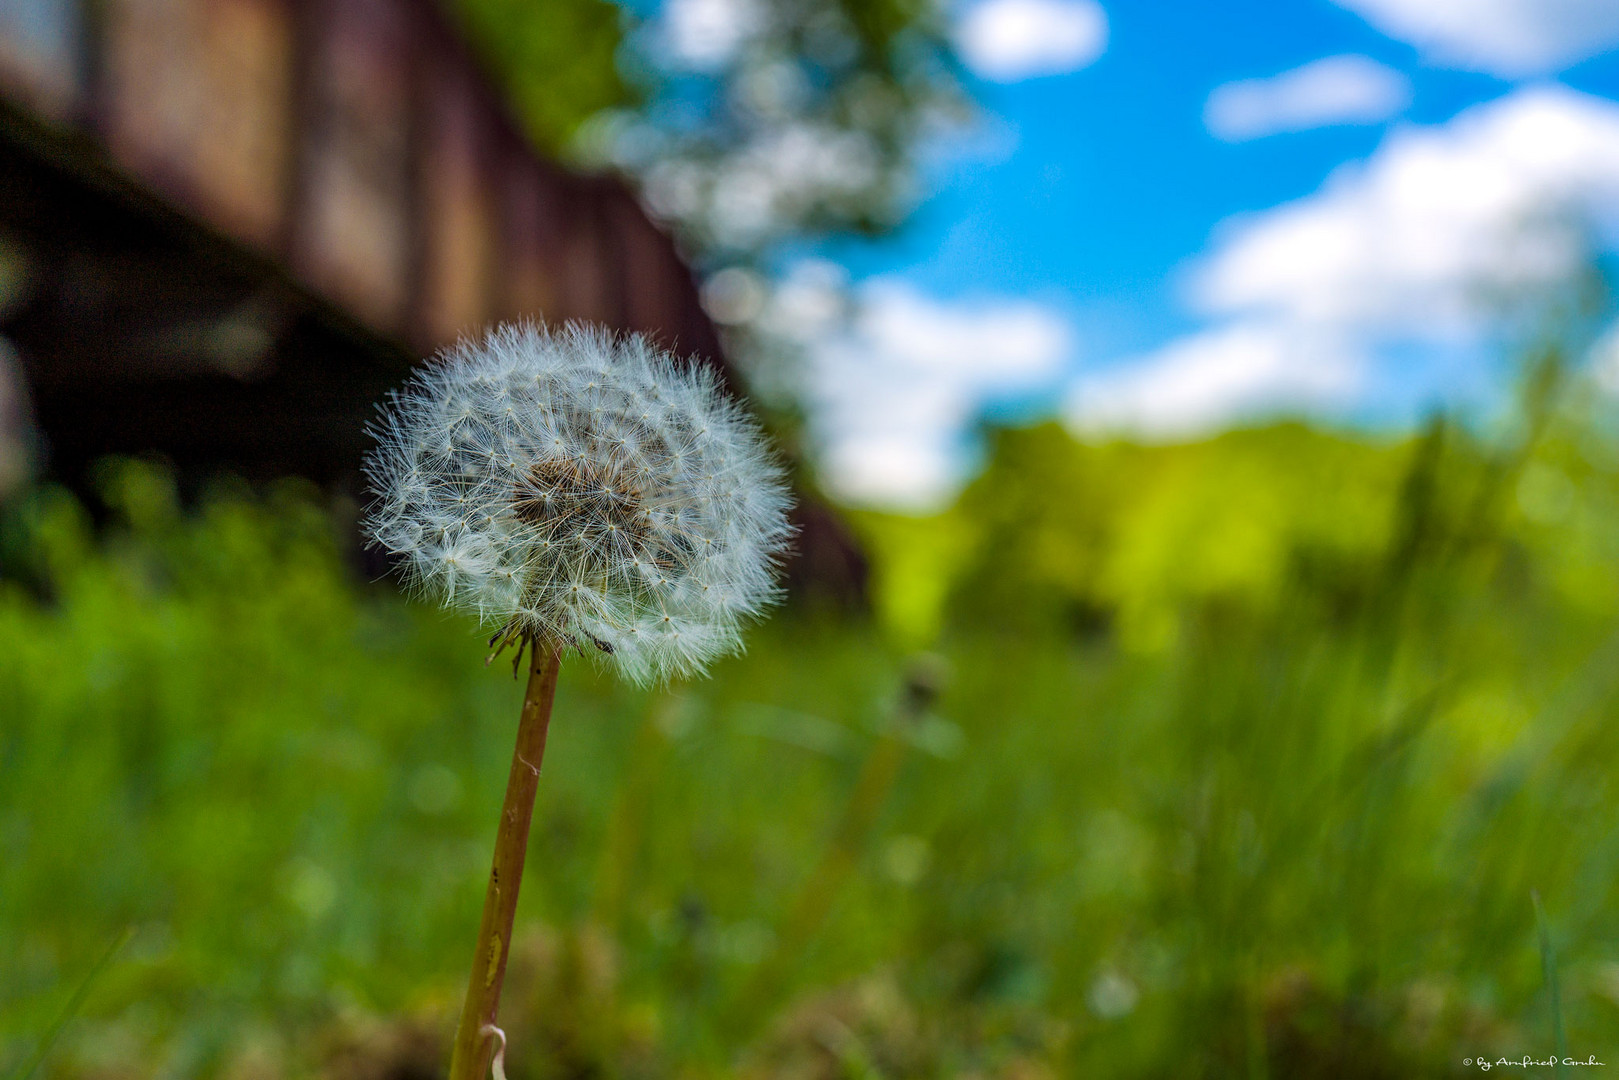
x,y
586,487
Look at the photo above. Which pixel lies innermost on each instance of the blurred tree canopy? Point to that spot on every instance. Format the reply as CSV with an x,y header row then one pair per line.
x,y
1129,539
809,121
746,121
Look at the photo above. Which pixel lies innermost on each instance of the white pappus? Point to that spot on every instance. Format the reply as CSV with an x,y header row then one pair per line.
x,y
581,488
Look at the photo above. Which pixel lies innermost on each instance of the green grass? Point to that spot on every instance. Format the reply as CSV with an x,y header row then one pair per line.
x,y
1295,835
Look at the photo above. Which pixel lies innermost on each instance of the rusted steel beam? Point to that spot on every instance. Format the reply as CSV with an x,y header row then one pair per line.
x,y
356,144
240,221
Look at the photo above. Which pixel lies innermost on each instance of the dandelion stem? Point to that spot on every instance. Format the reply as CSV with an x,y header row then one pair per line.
x,y
470,1060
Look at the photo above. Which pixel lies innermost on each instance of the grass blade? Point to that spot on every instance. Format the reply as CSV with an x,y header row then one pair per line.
x,y
1548,964
69,1010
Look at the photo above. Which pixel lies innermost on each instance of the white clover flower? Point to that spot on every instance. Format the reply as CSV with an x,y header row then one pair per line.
x,y
585,489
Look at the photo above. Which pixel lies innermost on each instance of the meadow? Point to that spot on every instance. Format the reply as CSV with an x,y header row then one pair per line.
x,y
1286,753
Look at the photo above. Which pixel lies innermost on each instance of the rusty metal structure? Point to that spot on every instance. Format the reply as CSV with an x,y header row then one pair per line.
x,y
227,225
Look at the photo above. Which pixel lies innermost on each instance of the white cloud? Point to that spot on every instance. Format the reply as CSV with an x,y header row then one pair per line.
x,y
1204,381
1334,90
1510,38
1443,230
1435,240
895,377
706,34
1008,40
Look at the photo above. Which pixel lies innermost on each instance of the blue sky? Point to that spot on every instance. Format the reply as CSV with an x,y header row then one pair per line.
x,y
1155,277
1111,180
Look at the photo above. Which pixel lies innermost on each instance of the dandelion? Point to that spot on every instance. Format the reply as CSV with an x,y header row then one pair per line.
x,y
585,490
576,491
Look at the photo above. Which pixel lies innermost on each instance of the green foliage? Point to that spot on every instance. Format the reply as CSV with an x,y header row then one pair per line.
x,y
1130,540
557,59
1137,533
1295,834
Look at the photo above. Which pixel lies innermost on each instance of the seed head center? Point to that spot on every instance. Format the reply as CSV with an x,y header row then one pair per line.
x,y
576,497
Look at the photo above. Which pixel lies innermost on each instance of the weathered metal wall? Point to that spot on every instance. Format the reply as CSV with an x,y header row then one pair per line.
x,y
227,227
355,143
